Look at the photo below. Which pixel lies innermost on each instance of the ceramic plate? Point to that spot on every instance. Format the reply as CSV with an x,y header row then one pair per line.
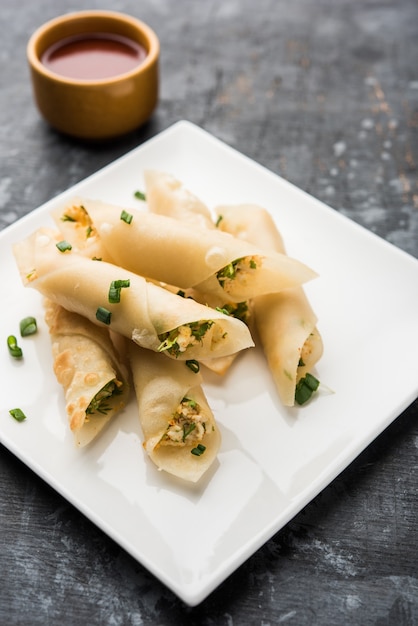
x,y
273,460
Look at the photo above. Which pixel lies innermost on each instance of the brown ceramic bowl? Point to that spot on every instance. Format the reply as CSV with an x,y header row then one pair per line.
x,y
95,108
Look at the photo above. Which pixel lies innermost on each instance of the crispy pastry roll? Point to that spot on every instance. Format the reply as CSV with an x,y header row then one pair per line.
x,y
285,321
125,302
180,433
87,366
167,196
165,249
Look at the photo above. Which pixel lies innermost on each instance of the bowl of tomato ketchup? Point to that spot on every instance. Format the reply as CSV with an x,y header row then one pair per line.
x,y
95,73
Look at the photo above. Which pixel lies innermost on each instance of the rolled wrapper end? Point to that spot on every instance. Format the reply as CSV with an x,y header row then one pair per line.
x,y
164,389
272,273
216,257
143,338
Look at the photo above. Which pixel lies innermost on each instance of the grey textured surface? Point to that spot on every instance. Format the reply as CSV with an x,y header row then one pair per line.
x,y
325,94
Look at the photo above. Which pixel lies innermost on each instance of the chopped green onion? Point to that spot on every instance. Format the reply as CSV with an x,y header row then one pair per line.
x,y
17,414
115,289
122,283
253,264
305,388
63,246
219,220
192,403
114,294
103,315
67,218
89,230
28,326
96,258
193,365
126,217
181,293
199,450
14,349
139,195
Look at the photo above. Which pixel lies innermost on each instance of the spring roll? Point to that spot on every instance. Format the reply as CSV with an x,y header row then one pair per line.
x,y
125,302
180,433
164,249
87,366
285,321
166,195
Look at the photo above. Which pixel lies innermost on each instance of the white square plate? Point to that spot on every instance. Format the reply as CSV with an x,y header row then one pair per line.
x,y
273,460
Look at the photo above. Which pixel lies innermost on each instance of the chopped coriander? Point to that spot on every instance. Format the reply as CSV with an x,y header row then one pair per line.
x,y
17,414
63,246
139,195
188,428
193,365
14,349
103,315
126,217
238,310
305,388
99,403
253,264
28,326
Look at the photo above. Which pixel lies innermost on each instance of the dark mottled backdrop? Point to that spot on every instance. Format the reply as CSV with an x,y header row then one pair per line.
x,y
324,93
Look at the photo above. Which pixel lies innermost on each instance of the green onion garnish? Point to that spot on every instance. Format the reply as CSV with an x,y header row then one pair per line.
x,y
28,326
193,365
115,289
305,388
199,450
219,220
96,258
103,315
63,246
139,195
14,349
17,414
67,218
126,217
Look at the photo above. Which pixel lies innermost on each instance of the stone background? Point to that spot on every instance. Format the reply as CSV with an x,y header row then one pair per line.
x,y
324,93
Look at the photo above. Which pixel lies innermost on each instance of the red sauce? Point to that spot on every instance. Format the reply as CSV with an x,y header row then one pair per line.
x,y
93,56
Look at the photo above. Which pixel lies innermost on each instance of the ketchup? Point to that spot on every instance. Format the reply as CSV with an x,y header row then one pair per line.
x,y
93,56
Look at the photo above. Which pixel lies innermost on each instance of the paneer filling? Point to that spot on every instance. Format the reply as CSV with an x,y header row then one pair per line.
x,y
238,271
183,337
186,427
80,217
101,401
